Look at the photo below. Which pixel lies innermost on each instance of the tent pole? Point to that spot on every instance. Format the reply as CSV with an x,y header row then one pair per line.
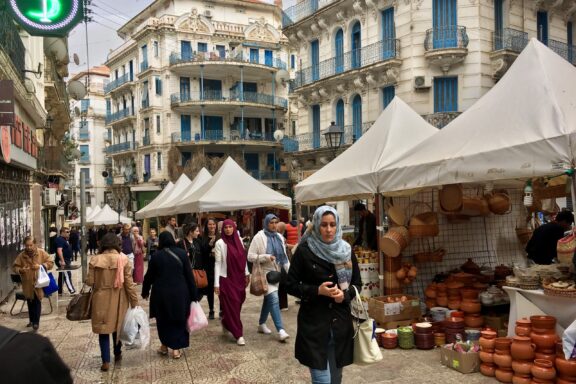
x,y
379,220
573,189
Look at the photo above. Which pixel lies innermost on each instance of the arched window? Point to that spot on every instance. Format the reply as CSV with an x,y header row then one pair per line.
x,y
356,44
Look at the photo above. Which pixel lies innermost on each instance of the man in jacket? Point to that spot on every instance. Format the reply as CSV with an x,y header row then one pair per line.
x,y
171,227
367,236
127,243
541,248
63,259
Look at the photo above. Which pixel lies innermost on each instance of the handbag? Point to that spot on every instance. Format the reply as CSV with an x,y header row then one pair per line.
x,y
258,282
200,276
274,277
80,307
42,280
52,287
366,349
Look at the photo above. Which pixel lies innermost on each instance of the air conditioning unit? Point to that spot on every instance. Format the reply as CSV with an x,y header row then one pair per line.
x,y
422,82
49,197
207,13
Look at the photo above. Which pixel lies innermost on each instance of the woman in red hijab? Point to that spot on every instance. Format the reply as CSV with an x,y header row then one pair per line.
x,y
231,277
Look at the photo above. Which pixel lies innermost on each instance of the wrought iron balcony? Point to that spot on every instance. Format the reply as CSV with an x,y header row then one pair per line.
x,y
441,119
144,65
117,83
446,46
309,140
224,57
83,134
380,51
302,10
218,96
84,159
568,52
146,140
121,114
269,175
12,42
234,136
122,147
509,39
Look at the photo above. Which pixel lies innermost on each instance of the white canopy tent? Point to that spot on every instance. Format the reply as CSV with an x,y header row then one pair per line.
x,y
201,178
181,185
88,214
354,173
524,127
231,188
108,216
144,213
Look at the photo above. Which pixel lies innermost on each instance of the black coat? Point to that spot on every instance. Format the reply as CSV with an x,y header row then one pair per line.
x,y
208,259
542,245
371,233
319,314
172,283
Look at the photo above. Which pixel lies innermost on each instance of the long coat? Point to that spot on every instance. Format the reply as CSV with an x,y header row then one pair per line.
x,y
319,314
23,266
109,304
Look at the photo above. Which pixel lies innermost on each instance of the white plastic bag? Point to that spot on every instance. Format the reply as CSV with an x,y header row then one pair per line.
x,y
43,279
135,329
569,341
197,319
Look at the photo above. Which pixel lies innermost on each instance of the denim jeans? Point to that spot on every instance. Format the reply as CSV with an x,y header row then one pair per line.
x,y
34,309
104,341
271,305
330,375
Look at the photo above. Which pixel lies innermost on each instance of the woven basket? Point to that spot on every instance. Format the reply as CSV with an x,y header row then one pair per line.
x,y
565,248
423,224
551,291
394,241
474,206
523,235
499,202
450,197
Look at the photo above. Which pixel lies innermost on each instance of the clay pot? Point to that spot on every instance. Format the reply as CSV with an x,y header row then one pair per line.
x,y
502,344
516,379
464,278
442,300
439,339
488,369
544,341
566,368
459,314
543,322
543,369
469,294
522,348
454,304
473,320
430,292
471,306
523,327
441,288
486,357
504,375
541,381
545,356
502,360
430,303
561,380
487,340
522,367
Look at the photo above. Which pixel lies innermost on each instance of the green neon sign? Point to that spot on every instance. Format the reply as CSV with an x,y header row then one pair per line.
x,y
47,17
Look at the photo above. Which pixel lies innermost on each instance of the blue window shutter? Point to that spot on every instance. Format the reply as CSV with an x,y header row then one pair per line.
x,y
444,23
185,128
315,59
158,81
315,126
202,47
340,117
388,94
446,94
339,51
388,34
356,43
185,50
292,61
159,160
357,117
570,40
542,26
498,24
254,55
268,59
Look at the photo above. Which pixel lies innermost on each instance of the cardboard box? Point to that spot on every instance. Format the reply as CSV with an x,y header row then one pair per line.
x,y
394,324
383,312
461,362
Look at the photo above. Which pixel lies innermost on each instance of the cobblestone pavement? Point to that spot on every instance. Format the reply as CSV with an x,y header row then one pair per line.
x,y
215,359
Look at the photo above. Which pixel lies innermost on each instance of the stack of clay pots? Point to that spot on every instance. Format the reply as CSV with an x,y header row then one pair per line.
x,y
503,359
543,372
566,369
454,326
424,336
543,334
487,341
523,352
388,340
471,307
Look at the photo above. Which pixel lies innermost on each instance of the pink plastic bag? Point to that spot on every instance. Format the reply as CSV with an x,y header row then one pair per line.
x,y
197,319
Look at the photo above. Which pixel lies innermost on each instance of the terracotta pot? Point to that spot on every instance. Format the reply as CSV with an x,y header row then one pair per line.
x,y
469,294
522,348
465,278
471,306
543,322
561,380
541,381
551,357
441,288
543,369
474,320
523,327
439,339
502,343
526,379
486,357
522,367
430,292
430,303
487,340
566,368
442,300
544,341
458,314
502,360
504,375
454,304
488,369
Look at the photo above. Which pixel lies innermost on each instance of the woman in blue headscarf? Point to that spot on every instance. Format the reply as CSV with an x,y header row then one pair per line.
x,y
269,249
321,274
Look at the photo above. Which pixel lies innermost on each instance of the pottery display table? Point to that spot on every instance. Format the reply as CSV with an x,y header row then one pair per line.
x,y
525,303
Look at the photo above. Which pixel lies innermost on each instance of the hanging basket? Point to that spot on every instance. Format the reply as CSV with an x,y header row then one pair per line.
x,y
450,197
525,228
395,213
394,241
423,224
565,248
499,202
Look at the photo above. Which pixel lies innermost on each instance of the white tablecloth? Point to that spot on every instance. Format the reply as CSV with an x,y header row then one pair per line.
x,y
526,303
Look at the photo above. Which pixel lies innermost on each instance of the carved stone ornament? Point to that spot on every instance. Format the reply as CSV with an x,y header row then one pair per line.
x,y
392,75
359,82
341,16
261,31
357,7
372,79
323,93
499,67
418,3
342,88
195,23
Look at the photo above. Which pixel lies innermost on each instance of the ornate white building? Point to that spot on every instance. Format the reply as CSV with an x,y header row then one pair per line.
x,y
439,56
196,79
91,135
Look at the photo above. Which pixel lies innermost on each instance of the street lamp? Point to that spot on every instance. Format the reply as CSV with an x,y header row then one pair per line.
x,y
333,137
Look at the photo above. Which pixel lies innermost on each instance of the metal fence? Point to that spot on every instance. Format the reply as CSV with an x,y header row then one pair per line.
x,y
226,57
509,39
217,95
451,36
302,10
122,147
311,140
11,42
121,114
118,82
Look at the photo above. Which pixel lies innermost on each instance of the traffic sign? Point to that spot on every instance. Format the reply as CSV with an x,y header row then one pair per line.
x,y
47,17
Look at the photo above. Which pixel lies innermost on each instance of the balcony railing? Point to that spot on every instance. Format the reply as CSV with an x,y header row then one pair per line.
x,y
214,95
309,140
510,39
12,42
568,52
144,66
234,57
380,51
302,10
122,147
218,135
146,140
107,135
83,134
109,180
269,175
117,83
453,36
441,119
123,113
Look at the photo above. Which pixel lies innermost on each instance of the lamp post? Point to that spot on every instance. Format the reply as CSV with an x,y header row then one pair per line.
x,y
333,137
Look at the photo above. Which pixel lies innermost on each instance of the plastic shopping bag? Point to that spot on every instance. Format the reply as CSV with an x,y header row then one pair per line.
x,y
43,279
197,319
52,287
569,341
135,329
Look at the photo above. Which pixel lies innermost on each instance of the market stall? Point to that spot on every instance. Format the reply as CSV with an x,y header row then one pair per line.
x,y
146,212
173,206
108,216
181,185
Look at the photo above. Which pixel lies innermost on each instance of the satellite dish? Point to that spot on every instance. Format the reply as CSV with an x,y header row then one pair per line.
x,y
55,47
76,90
282,76
278,135
29,85
77,111
104,174
76,59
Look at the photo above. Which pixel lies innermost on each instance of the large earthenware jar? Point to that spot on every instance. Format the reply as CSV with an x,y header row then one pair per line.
x,y
488,369
543,369
522,348
503,343
543,323
502,359
486,357
470,306
473,320
545,356
487,340
522,367
545,342
504,375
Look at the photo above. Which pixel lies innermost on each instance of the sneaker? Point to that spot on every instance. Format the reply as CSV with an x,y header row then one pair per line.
x,y
284,309
282,335
241,342
262,328
35,327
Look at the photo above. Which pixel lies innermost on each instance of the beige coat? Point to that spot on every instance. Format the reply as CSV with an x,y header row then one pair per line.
x,y
109,304
23,266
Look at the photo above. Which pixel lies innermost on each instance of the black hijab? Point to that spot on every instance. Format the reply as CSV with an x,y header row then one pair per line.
x,y
166,240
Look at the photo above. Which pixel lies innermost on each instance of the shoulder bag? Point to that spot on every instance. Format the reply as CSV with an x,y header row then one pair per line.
x,y
258,283
366,349
80,307
200,277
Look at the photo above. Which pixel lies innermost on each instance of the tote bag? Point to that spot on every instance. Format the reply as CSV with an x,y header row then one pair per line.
x,y
52,287
258,283
366,349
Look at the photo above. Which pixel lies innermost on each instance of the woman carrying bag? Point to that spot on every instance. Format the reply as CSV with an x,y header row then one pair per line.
x,y
269,249
27,265
322,270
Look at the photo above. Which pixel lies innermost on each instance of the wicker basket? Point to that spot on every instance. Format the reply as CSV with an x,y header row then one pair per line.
x,y
524,235
499,202
394,241
551,291
424,224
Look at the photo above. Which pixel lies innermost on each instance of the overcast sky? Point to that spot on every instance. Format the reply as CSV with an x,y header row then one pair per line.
x,y
108,16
